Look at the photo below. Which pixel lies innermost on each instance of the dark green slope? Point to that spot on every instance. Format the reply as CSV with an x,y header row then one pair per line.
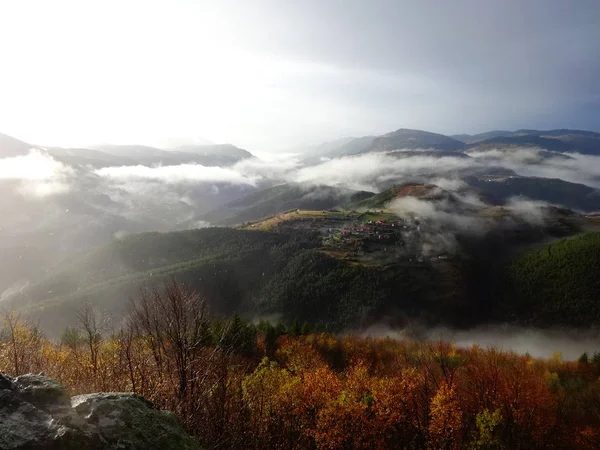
x,y
558,284
250,272
290,274
318,289
421,191
226,265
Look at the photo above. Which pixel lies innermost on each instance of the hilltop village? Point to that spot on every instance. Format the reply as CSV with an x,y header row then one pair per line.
x,y
371,237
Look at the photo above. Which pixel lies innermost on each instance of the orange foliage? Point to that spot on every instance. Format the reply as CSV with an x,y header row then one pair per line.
x,y
445,425
323,392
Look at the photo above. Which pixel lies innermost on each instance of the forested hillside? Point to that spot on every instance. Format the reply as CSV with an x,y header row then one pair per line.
x,y
226,265
335,271
255,273
559,283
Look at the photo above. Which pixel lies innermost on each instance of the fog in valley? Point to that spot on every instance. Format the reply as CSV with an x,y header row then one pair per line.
x,y
567,344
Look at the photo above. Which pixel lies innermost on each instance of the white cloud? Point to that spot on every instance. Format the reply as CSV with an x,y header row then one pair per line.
x,y
268,165
36,173
441,222
572,167
369,171
375,171
35,166
183,173
532,211
538,343
449,184
442,213
43,188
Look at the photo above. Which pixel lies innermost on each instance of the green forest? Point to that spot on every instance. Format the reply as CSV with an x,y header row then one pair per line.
x,y
287,274
559,283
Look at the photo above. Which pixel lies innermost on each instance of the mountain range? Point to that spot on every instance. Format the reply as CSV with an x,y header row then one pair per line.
x,y
117,155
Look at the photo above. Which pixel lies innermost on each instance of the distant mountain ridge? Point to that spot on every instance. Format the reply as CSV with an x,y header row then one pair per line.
x,y
206,155
215,149
401,139
558,140
472,138
339,149
119,155
10,146
414,139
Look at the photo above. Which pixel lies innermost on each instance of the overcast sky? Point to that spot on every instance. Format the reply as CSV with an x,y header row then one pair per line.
x,y
275,74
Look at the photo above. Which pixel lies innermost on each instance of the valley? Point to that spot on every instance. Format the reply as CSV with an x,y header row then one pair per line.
x,y
407,227
332,268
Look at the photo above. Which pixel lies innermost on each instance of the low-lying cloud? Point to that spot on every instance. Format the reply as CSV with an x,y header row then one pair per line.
x,y
376,171
441,222
373,171
180,195
570,344
36,173
442,212
531,211
35,166
539,343
535,162
274,167
183,173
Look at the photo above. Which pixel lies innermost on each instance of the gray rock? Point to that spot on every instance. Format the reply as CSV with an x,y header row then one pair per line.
x,y
42,392
37,414
22,425
129,421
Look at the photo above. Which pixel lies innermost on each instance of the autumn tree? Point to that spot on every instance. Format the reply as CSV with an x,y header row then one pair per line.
x,y
21,344
91,325
445,425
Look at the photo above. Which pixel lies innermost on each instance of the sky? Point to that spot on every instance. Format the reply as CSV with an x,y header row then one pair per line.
x,y
271,75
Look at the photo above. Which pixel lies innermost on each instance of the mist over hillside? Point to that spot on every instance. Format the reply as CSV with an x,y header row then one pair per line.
x,y
466,197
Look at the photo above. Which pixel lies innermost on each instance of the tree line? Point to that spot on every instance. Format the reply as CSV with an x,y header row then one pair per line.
x,y
240,385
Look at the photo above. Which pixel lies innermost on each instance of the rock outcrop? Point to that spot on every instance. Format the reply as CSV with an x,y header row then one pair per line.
x,y
37,414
